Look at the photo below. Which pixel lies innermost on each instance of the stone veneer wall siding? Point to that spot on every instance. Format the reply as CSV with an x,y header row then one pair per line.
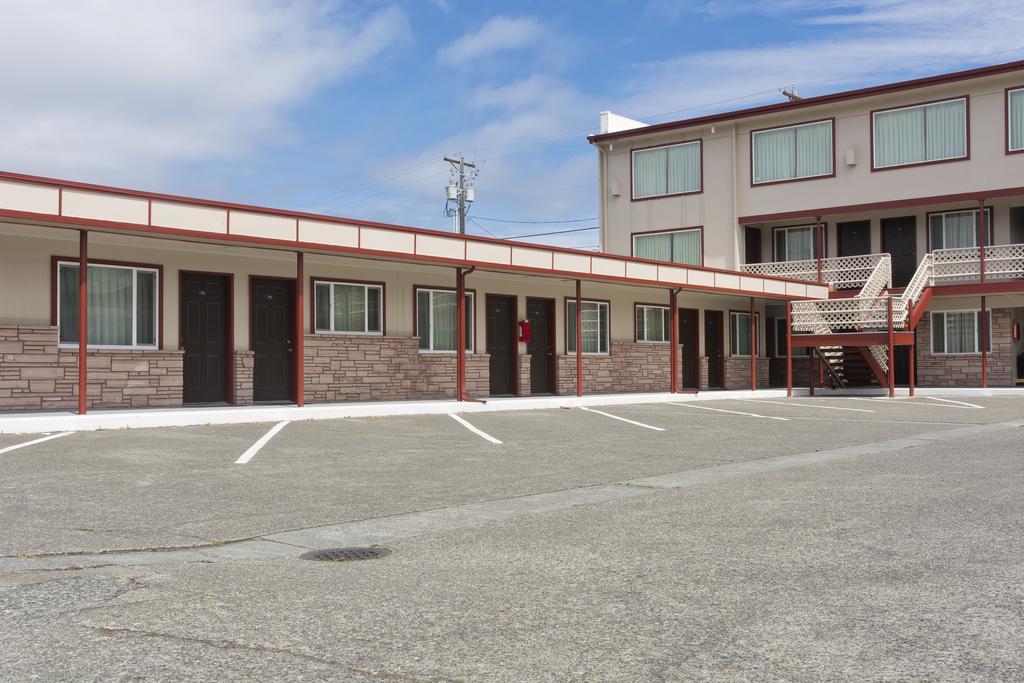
x,y
737,372
244,361
35,374
630,367
373,368
524,361
801,372
940,370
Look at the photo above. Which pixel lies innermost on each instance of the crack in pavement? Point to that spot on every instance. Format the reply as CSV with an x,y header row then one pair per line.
x,y
387,528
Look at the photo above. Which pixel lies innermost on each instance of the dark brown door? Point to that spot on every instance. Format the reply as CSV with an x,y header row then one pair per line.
x,y
204,339
501,342
854,238
899,239
752,238
272,330
689,336
714,347
541,347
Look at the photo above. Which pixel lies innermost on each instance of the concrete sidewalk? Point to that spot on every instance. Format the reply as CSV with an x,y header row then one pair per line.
x,y
38,423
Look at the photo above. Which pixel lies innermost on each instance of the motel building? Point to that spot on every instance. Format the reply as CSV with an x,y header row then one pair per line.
x,y
864,238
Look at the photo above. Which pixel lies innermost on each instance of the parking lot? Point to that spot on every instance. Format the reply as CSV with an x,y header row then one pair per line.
x,y
783,538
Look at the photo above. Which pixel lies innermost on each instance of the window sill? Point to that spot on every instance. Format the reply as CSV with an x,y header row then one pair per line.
x,y
332,333
429,352
98,347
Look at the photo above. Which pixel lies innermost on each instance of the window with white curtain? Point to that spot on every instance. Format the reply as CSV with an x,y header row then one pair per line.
x,y
739,333
953,229
792,152
436,320
958,332
652,323
595,326
348,308
123,305
925,132
1015,119
797,243
672,169
678,246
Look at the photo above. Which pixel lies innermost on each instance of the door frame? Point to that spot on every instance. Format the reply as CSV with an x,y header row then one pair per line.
x,y
839,237
229,356
515,336
552,303
881,238
696,386
293,390
722,332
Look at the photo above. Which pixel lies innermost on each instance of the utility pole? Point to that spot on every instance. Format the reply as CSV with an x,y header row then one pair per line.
x,y
464,194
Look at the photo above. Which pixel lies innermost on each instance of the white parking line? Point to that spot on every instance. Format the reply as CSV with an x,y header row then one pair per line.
x,y
478,432
804,405
255,448
949,400
622,419
734,412
29,443
904,400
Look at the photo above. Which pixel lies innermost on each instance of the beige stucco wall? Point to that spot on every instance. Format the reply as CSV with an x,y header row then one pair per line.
x,y
727,165
25,281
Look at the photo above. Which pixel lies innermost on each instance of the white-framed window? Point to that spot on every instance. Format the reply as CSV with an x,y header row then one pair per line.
x,y
797,243
792,152
652,323
595,326
780,340
920,133
667,170
436,320
1015,120
958,332
739,333
348,307
953,229
676,246
124,303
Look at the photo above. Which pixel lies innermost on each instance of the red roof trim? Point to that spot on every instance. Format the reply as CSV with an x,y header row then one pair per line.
x,y
899,86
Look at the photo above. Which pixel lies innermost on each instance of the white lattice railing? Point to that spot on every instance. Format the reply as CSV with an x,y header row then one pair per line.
x,y
1002,262
845,272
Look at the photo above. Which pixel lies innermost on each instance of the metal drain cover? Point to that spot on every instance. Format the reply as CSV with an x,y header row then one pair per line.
x,y
346,554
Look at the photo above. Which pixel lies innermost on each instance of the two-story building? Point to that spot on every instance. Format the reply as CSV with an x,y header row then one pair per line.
x,y
912,191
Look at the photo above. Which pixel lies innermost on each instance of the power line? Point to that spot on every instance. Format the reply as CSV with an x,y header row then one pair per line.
x,y
555,232
504,220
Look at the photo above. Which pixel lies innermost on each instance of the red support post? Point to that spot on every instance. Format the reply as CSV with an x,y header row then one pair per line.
x,y
83,320
892,354
817,233
460,335
984,346
673,341
579,340
300,328
753,348
789,348
981,237
913,347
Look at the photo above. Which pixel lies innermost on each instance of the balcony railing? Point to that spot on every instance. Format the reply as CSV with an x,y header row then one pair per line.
x,y
844,272
1002,262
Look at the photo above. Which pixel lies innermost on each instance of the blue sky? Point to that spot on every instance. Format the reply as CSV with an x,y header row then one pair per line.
x,y
345,107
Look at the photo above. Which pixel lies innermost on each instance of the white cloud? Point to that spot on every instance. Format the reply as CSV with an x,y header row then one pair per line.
x,y
498,34
123,91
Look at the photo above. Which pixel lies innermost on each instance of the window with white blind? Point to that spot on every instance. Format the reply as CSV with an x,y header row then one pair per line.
x,y
595,326
678,246
436,320
348,308
668,170
652,323
792,152
958,332
123,305
1015,120
954,229
922,133
739,333
797,243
